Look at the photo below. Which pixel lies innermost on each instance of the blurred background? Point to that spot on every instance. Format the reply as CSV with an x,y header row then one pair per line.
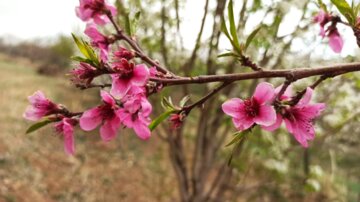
x,y
176,165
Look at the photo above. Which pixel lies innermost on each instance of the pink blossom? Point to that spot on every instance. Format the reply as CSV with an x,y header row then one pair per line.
x,y
136,112
322,18
96,10
124,53
335,41
245,113
40,107
106,115
176,121
66,128
127,77
98,40
299,118
84,73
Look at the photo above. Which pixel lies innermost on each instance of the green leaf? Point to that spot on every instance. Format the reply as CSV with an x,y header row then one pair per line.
x,y
160,119
184,100
322,5
251,37
237,137
167,103
87,51
80,59
38,125
127,24
225,30
135,21
81,46
345,9
356,10
228,54
233,26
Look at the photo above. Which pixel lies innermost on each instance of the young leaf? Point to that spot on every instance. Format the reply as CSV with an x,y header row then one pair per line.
x,y
160,119
233,26
38,125
322,6
228,54
251,37
184,100
80,59
167,103
237,137
225,30
135,21
81,46
345,9
127,24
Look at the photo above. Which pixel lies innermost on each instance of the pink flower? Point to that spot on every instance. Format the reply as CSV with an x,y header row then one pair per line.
x,y
106,115
245,113
124,53
299,118
335,41
84,73
322,18
40,107
96,10
127,77
176,121
136,112
66,128
98,40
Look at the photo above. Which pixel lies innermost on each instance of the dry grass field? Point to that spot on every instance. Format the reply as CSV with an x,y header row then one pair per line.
x,y
34,167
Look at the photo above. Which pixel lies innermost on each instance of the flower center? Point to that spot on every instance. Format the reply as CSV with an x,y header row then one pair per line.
x,y
107,112
251,107
97,6
125,68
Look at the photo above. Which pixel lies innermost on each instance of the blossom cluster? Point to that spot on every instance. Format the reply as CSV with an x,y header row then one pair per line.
x,y
269,109
323,18
126,104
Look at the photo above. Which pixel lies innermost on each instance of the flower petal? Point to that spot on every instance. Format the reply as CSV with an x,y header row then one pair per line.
x,y
107,98
274,126
299,135
141,130
264,92
287,94
141,75
90,119
119,86
32,114
266,116
336,43
306,98
69,143
233,107
37,97
243,123
109,129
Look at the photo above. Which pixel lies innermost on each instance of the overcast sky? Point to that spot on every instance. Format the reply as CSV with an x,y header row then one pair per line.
x,y
28,19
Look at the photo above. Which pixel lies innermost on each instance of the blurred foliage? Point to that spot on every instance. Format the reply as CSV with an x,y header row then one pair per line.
x,y
273,166
51,57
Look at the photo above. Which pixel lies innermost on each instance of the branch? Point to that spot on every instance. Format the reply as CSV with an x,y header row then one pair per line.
x,y
296,74
188,108
139,53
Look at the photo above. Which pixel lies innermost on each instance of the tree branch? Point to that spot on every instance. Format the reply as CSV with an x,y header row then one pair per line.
x,y
296,74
